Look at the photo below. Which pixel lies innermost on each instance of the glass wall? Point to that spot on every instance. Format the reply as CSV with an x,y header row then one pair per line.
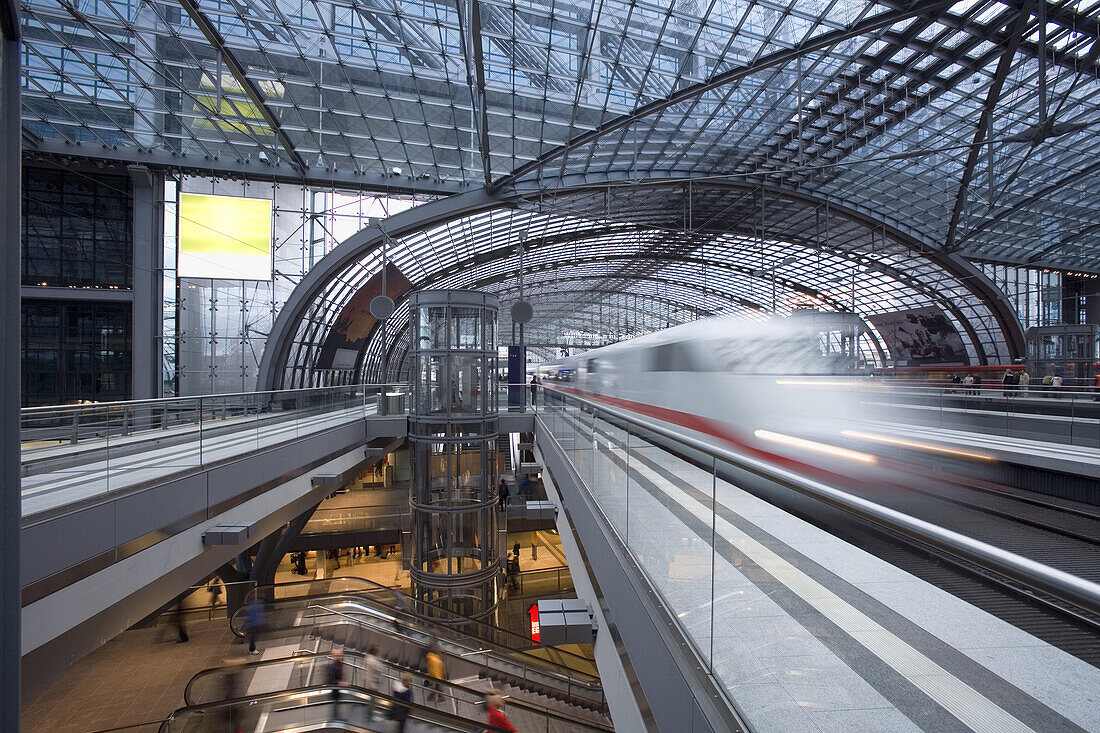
x,y
218,329
75,351
77,229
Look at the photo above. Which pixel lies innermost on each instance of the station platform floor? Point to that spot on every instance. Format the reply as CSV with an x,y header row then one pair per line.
x,y
809,633
135,678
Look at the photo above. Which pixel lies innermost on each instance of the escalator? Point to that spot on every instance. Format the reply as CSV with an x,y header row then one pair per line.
x,y
359,615
314,709
308,670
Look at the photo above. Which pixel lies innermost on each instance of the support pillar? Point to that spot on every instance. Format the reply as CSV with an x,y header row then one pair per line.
x,y
10,327
456,548
147,337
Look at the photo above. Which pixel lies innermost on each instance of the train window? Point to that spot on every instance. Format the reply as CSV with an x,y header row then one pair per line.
x,y
674,357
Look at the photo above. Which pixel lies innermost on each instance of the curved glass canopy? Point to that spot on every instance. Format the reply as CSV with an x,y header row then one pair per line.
x,y
683,155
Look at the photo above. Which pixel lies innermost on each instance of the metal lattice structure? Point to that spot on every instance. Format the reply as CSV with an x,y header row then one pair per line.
x,y
681,153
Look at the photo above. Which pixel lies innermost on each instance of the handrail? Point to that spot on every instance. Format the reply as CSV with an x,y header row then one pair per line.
x,y
1070,588
458,617
508,658
314,657
423,712
216,395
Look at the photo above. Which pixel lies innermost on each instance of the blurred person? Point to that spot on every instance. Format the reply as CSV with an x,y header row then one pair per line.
x,y
254,618
524,485
335,679
955,382
375,669
181,628
534,388
494,705
375,674
1056,383
215,591
1007,381
977,384
401,605
436,673
968,382
1025,380
402,691
504,493
231,690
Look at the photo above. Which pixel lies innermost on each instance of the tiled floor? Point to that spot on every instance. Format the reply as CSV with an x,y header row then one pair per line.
x,y
137,677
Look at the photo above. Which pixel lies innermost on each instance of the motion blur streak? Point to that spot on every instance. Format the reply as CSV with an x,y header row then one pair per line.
x,y
831,450
916,444
846,384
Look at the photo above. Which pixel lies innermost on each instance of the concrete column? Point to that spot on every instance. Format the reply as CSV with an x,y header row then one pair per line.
x,y
10,327
147,335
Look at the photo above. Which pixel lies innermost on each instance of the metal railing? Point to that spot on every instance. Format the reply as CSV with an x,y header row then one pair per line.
x,y
309,669
297,595
310,708
74,452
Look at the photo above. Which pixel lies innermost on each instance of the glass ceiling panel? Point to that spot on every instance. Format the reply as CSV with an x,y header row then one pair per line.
x,y
917,120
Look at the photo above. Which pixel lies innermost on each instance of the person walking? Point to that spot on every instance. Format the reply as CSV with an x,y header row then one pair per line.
x,y
436,673
335,678
534,388
1025,380
503,492
375,674
494,705
524,484
181,628
254,622
1007,382
1056,384
402,692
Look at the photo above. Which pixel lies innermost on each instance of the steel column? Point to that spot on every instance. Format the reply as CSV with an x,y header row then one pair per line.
x,y
10,328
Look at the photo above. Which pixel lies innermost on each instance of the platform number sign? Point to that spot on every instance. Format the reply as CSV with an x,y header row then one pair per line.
x,y
533,612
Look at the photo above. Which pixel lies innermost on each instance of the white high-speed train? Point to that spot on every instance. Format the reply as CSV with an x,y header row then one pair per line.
x,y
774,387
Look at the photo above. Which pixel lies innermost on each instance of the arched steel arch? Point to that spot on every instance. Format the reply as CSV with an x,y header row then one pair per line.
x,y
424,217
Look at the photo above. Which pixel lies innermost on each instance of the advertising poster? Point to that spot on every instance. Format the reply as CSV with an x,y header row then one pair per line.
x,y
920,336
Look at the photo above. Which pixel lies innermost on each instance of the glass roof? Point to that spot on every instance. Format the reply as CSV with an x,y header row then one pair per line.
x,y
967,121
602,277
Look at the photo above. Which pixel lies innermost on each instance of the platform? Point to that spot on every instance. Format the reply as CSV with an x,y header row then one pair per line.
x,y
808,633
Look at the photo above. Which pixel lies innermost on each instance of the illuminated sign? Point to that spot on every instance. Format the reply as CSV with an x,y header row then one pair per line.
x,y
224,237
533,612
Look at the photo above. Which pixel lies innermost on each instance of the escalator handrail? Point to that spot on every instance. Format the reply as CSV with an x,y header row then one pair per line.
x,y
414,708
457,616
313,657
585,678
507,658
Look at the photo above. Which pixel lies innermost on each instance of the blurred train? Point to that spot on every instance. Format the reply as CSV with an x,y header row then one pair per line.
x,y
774,388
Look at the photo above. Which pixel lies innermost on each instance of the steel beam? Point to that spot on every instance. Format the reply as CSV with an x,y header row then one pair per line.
x,y
10,381
238,71
475,78
985,123
204,165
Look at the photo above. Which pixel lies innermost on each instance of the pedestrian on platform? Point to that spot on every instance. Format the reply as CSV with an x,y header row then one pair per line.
x,y
494,705
504,493
436,673
402,692
534,389
335,679
254,620
181,629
